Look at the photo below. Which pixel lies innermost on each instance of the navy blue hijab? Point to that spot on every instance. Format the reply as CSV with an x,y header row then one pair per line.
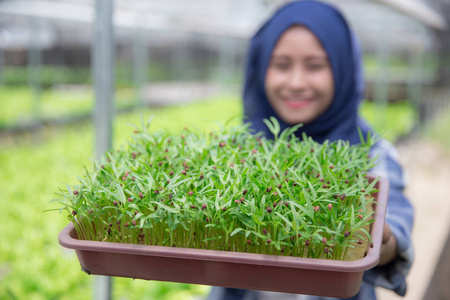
x,y
340,120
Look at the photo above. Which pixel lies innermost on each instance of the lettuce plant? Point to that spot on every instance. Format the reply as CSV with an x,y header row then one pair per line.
x,y
229,189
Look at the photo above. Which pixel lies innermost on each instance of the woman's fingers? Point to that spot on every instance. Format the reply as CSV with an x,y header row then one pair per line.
x,y
388,247
386,233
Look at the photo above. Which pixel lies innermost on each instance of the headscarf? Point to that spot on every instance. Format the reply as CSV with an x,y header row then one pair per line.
x,y
340,120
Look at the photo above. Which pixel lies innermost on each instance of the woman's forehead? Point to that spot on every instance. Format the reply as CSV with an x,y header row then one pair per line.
x,y
299,41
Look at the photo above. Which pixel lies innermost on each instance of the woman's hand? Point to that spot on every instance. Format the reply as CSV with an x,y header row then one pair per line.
x,y
388,247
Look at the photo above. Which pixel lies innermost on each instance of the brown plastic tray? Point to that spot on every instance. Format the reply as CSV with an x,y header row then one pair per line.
x,y
231,269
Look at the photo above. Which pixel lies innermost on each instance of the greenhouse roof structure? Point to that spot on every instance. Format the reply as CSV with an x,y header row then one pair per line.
x,y
220,17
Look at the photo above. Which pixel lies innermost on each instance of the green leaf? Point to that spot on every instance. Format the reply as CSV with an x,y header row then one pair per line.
x,y
213,238
174,210
367,234
288,223
290,131
273,126
352,219
313,193
236,231
256,218
230,227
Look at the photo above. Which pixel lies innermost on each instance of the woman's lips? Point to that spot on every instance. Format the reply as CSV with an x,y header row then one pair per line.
x,y
297,103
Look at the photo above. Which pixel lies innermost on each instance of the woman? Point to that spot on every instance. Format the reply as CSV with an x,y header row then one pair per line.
x,y
304,66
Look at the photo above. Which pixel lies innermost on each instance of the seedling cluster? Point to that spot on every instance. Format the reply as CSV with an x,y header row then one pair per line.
x,y
228,190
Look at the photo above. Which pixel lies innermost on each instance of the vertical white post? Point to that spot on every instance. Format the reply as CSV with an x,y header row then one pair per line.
x,y
34,67
103,61
2,65
381,93
140,61
415,80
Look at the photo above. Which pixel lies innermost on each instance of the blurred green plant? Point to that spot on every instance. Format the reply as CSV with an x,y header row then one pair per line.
x,y
392,120
371,61
17,104
50,75
438,130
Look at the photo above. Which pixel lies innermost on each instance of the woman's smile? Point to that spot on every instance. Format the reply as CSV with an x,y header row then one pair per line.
x,y
296,104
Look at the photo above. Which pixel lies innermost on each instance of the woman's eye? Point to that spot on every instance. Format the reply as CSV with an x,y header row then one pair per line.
x,y
316,67
280,66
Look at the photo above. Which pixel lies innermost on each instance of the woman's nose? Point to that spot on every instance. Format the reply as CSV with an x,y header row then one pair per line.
x,y
297,79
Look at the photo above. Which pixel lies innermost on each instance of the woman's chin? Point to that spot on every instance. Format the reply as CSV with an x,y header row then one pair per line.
x,y
294,120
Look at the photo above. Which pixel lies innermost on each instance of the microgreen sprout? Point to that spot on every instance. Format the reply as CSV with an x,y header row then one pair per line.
x,y
229,190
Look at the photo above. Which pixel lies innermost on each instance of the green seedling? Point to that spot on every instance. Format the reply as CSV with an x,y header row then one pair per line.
x,y
229,190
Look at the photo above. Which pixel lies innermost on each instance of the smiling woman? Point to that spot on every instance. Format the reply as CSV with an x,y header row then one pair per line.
x,y
304,66
299,80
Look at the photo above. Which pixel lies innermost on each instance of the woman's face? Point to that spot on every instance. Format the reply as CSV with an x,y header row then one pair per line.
x,y
299,80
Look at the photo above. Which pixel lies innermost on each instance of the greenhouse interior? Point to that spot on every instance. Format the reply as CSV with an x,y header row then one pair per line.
x,y
78,77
